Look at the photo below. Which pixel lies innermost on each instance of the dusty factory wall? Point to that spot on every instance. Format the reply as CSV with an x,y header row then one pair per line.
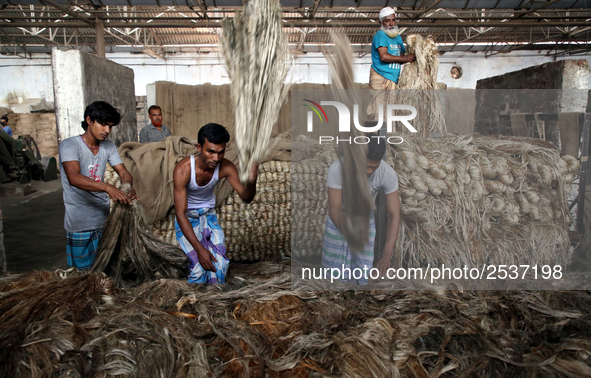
x,y
191,68
185,108
31,77
80,79
25,78
458,108
556,87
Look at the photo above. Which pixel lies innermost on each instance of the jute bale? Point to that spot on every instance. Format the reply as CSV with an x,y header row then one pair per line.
x,y
260,230
469,199
464,199
26,124
46,138
42,128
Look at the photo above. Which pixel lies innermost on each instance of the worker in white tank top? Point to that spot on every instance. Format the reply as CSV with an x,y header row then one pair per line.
x,y
197,228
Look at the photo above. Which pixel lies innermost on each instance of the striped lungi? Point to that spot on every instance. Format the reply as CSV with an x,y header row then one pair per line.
x,y
382,93
81,248
336,252
211,236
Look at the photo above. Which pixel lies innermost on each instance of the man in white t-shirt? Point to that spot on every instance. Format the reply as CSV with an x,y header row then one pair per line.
x,y
335,249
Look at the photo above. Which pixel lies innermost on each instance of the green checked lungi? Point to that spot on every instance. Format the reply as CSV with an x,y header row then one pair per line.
x,y
336,253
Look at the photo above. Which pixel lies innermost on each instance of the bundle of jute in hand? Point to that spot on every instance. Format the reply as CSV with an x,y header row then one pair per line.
x,y
473,199
130,254
255,51
418,86
357,201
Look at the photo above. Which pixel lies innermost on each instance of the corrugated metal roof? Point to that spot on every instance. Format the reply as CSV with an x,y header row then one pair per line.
x,y
173,22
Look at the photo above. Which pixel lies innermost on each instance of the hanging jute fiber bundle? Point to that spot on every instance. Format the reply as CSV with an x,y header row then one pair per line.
x,y
255,52
72,324
130,254
418,87
357,201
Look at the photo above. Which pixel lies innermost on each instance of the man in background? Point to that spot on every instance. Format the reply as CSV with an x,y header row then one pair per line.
x,y
155,131
387,57
5,127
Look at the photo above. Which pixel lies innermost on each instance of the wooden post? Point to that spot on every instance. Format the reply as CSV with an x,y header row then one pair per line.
x,y
100,38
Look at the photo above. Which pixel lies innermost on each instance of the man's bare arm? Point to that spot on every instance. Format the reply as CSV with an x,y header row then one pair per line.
x,y
181,178
246,193
389,58
78,180
393,208
335,201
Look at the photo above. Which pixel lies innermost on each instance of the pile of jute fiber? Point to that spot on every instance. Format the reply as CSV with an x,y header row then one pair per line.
x,y
130,254
69,324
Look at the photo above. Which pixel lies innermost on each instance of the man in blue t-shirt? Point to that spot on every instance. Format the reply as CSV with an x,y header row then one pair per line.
x,y
4,124
387,57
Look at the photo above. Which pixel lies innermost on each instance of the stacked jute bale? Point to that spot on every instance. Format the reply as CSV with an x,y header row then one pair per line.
x,y
468,199
310,199
46,135
41,127
464,199
260,230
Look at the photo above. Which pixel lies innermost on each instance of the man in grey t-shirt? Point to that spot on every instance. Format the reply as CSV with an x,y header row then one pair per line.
x,y
155,131
86,197
335,249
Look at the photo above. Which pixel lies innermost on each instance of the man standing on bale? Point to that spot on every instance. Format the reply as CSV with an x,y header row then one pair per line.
x,y
387,59
335,249
83,160
155,131
197,229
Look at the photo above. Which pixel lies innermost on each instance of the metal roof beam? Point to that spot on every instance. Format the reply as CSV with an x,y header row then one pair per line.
x,y
427,10
302,23
76,15
546,4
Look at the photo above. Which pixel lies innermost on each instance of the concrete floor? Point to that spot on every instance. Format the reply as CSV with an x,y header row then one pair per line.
x,y
34,235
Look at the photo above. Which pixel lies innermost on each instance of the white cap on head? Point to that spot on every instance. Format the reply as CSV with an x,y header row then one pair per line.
x,y
385,12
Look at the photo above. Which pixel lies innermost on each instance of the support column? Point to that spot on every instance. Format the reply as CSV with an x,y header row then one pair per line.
x,y
100,38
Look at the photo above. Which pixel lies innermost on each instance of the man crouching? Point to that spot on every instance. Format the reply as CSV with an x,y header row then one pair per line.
x,y
197,229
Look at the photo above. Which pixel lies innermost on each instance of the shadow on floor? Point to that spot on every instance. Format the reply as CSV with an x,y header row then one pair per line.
x,y
34,235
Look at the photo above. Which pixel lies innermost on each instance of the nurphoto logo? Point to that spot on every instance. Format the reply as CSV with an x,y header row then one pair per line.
x,y
344,119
